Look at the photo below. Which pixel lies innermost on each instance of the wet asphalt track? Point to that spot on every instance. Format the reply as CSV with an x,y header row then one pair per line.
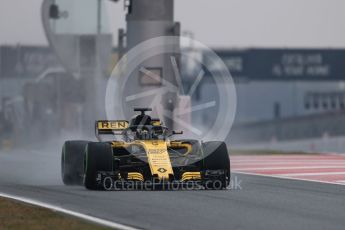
x,y
261,202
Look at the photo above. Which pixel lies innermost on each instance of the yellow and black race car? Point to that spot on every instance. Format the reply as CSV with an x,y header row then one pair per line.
x,y
145,157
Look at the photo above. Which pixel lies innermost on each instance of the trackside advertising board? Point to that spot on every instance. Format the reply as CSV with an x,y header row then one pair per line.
x,y
286,64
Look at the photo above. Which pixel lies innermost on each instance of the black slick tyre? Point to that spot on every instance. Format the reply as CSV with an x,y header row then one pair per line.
x,y
216,159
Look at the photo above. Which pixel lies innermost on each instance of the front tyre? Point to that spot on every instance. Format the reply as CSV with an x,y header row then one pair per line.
x,y
72,162
216,167
98,157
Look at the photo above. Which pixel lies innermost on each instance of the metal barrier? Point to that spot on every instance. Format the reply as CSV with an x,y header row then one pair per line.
x,y
297,128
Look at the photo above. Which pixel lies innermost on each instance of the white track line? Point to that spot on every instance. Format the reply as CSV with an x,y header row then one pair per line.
x,y
68,212
311,174
287,163
283,168
287,178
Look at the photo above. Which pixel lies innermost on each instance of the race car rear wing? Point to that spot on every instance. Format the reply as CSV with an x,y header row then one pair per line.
x,y
106,127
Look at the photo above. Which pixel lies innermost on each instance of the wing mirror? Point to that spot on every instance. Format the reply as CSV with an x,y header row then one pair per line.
x,y
177,132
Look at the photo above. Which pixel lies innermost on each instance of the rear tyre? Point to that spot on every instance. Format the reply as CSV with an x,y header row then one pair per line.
x,y
98,157
72,162
216,160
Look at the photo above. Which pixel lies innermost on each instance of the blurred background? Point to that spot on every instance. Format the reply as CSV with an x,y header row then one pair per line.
x,y
287,59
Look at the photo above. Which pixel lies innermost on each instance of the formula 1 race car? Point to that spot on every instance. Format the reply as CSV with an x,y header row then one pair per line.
x,y
145,156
